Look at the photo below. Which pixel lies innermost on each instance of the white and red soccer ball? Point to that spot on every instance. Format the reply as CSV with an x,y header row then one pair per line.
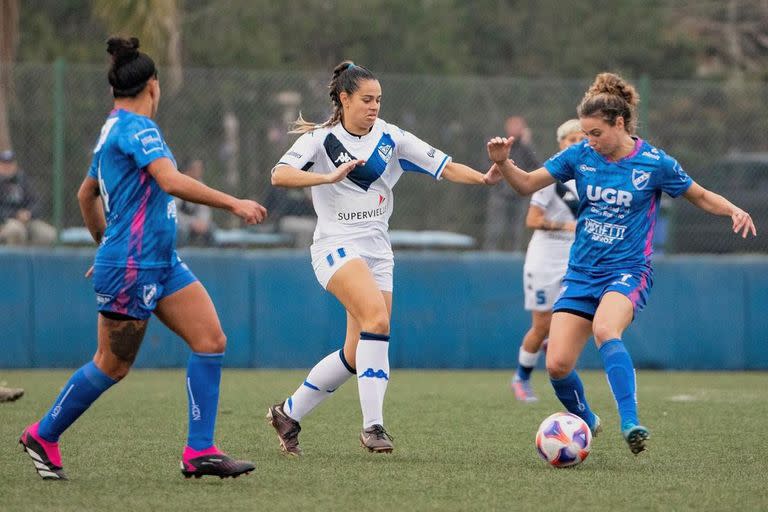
x,y
563,440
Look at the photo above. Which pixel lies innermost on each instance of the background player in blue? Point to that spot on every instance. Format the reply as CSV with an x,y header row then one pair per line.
x,y
619,178
127,205
352,162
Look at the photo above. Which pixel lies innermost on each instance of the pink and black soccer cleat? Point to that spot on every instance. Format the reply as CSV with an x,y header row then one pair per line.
x,y
213,462
45,455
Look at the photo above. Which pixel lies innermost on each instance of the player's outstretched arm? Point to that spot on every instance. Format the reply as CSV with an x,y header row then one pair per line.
x,y
718,205
91,208
460,173
290,177
189,189
524,183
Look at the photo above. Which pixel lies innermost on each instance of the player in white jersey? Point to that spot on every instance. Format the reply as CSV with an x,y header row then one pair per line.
x,y
552,214
352,162
620,179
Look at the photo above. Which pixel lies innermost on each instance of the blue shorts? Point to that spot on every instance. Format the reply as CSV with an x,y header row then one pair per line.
x,y
582,290
136,292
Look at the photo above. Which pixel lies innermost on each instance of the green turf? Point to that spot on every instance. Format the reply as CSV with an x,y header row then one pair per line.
x,y
462,443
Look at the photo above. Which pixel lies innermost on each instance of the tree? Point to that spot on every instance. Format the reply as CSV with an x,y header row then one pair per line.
x,y
9,38
157,24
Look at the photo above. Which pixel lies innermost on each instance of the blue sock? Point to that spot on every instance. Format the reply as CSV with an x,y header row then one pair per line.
x,y
621,377
203,378
81,390
570,392
524,372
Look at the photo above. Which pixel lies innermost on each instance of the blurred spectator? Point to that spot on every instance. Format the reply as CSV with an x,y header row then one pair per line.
x,y
18,207
194,224
291,211
506,210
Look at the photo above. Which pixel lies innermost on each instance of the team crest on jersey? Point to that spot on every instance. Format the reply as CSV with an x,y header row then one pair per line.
x,y
148,294
640,179
385,152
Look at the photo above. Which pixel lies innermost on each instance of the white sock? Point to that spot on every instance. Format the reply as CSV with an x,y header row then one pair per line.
x,y
326,376
527,359
372,363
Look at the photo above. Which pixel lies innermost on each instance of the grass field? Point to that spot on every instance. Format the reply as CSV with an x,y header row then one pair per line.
x,y
462,443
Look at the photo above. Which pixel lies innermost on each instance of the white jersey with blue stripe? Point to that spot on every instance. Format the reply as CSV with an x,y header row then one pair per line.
x,y
141,217
618,202
360,205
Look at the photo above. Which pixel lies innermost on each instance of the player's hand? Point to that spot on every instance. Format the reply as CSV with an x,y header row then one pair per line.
x,y
493,176
341,171
743,223
250,211
498,148
89,272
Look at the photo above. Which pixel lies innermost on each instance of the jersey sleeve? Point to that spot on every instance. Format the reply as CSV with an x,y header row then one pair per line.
x,y
674,180
562,166
144,143
415,155
93,171
542,198
302,155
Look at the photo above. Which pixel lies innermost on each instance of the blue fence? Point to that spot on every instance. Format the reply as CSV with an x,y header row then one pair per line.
x,y
451,310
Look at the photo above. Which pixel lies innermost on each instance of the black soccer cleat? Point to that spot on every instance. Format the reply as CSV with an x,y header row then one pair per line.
x,y
215,464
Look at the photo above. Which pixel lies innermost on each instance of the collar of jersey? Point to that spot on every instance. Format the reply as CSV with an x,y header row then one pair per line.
x,y
349,135
638,145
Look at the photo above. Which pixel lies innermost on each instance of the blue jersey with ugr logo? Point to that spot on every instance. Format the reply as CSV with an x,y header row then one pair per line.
x,y
618,202
141,217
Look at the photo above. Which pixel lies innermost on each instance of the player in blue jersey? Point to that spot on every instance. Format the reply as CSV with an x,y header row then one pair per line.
x,y
127,204
352,162
619,179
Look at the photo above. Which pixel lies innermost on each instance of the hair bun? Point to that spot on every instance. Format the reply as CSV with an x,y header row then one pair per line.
x,y
123,50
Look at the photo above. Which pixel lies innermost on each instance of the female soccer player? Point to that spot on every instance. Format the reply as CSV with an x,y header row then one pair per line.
x,y
552,214
355,159
137,271
619,178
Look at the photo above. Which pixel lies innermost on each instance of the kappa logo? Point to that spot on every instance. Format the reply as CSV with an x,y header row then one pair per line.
x,y
385,151
640,179
431,152
343,158
148,294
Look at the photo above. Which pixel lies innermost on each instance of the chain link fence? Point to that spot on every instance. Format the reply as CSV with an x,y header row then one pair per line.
x,y
236,122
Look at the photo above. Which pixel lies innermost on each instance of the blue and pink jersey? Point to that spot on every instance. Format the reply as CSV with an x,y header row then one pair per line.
x,y
618,203
141,217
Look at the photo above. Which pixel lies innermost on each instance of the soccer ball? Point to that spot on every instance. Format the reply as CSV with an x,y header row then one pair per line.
x,y
563,440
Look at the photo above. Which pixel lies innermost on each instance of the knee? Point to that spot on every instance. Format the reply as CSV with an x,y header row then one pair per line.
x,y
558,368
377,324
539,332
604,331
214,343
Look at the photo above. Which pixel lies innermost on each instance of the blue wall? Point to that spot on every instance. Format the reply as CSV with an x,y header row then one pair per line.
x,y
451,310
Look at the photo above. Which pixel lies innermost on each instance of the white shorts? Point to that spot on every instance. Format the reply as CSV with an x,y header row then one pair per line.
x,y
541,288
327,259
